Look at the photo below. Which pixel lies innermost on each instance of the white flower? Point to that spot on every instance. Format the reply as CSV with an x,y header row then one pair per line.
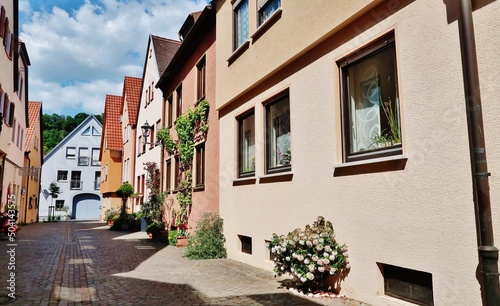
x,y
282,268
321,240
292,269
328,249
326,255
326,261
311,268
332,257
303,279
346,254
287,258
315,241
306,261
273,250
333,270
301,242
321,269
294,255
309,243
309,276
315,258
348,266
319,247
300,258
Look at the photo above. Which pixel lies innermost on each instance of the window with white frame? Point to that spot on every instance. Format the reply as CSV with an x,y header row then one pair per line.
x,y
240,22
83,156
246,144
70,152
95,157
266,9
278,149
370,101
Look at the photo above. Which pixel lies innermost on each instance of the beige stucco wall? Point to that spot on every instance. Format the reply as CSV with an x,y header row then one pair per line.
x,y
111,177
420,218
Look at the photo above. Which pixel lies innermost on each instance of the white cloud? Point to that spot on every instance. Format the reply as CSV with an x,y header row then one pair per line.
x,y
78,57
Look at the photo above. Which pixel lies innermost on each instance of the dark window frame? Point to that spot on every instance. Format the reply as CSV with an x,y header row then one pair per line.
x,y
269,169
241,132
201,75
200,165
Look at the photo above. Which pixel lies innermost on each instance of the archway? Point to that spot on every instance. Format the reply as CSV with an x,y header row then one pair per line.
x,y
86,206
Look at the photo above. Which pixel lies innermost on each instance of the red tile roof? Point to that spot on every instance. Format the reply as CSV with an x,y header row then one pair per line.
x,y
33,114
112,126
132,92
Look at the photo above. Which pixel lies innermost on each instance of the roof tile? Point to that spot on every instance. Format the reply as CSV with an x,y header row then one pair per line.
x,y
112,126
132,92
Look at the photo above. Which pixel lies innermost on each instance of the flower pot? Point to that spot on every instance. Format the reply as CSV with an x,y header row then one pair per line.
x,y
182,241
111,222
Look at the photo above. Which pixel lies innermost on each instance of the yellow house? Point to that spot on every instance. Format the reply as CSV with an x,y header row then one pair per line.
x,y
111,154
28,211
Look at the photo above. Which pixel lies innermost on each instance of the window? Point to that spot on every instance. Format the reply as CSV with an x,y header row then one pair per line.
x,y
10,112
83,156
409,285
241,25
59,205
70,152
246,145
179,101
200,165
2,19
157,128
20,87
76,182
97,180
169,111
95,132
201,79
177,174
139,146
62,175
278,150
95,157
168,175
370,102
13,134
86,132
152,136
266,8
246,244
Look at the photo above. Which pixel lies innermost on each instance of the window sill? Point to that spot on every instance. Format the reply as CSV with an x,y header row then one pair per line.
x,y
238,52
383,164
266,25
244,181
199,188
275,178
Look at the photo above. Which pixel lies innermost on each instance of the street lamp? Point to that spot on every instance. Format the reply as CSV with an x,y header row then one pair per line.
x,y
146,130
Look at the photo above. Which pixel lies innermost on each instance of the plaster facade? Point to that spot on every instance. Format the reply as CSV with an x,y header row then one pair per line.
x,y
74,166
418,216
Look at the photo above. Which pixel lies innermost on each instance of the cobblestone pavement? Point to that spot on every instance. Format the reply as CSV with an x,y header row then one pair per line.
x,y
83,263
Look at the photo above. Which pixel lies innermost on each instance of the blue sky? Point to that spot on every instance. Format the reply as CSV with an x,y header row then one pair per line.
x,y
80,50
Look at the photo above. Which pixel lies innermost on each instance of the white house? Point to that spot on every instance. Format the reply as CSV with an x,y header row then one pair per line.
x,y
75,167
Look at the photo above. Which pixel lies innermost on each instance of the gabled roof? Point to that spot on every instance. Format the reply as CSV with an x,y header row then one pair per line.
x,y
34,111
71,135
164,50
112,130
131,94
188,24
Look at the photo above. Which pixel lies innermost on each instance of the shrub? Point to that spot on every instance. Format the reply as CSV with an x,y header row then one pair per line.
x,y
309,255
154,228
111,214
208,240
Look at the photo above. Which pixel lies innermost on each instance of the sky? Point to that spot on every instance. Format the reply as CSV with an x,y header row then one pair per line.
x,y
81,50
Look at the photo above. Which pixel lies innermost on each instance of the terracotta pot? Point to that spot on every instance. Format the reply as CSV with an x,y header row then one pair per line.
x,y
182,241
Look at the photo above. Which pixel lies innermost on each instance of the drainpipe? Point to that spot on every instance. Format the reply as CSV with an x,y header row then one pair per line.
x,y
26,207
488,253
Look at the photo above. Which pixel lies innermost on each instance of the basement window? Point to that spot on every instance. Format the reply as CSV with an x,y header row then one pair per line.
x,y
246,244
409,285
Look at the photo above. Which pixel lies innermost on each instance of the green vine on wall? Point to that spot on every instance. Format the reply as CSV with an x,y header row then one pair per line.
x,y
191,127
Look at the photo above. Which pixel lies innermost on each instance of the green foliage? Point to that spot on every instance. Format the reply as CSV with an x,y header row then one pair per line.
x,y
54,190
154,228
111,214
125,191
164,137
309,255
208,239
172,237
55,127
121,220
152,209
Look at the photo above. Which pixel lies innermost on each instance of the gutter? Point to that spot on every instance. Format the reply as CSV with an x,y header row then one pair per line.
x,y
488,253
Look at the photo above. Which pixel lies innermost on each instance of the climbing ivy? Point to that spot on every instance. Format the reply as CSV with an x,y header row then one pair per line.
x,y
191,127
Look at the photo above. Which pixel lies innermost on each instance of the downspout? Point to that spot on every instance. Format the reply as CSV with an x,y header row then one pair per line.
x,y
26,207
488,253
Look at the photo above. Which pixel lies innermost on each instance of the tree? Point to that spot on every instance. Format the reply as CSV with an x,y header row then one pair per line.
x,y
125,191
54,191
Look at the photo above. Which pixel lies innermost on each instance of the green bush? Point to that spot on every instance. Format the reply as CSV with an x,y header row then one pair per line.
x,y
172,237
154,228
208,240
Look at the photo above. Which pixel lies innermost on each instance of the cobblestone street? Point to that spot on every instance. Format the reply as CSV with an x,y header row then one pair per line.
x,y
83,263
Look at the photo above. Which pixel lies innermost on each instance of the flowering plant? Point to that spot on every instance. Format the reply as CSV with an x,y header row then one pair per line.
x,y
182,230
309,255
